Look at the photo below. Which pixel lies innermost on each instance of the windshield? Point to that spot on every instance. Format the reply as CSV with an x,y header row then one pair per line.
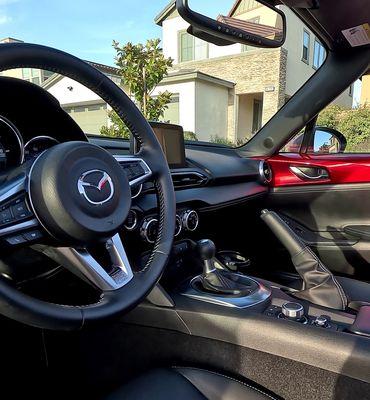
x,y
217,94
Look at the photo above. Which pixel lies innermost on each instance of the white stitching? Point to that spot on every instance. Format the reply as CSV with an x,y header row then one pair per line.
x,y
229,377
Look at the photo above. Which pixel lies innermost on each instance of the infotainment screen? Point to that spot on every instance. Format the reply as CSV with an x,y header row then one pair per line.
x,y
171,138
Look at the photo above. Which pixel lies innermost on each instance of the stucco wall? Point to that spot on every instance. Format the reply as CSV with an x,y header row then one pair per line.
x,y
365,90
186,92
255,71
79,94
211,110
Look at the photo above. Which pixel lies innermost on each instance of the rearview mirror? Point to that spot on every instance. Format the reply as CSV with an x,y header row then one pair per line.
x,y
225,22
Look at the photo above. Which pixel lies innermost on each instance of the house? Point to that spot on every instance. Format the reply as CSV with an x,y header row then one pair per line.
x,y
82,104
230,92
88,109
365,90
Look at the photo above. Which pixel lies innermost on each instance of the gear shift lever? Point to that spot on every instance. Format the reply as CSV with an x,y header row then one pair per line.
x,y
219,281
207,252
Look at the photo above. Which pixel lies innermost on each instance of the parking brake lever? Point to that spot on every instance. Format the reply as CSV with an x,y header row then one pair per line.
x,y
319,284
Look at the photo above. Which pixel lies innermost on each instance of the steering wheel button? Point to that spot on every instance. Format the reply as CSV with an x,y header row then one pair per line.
x,y
20,210
18,239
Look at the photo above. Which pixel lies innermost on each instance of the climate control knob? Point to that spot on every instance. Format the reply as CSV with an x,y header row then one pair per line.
x,y
190,220
294,311
149,230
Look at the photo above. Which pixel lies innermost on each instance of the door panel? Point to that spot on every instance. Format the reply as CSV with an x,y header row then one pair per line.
x,y
335,206
342,168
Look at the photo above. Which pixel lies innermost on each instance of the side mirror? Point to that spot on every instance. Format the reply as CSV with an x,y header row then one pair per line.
x,y
252,22
326,141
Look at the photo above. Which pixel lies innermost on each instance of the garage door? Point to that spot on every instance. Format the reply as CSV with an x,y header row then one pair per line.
x,y
89,117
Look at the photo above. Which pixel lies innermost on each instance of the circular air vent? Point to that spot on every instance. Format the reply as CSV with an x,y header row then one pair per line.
x,y
265,172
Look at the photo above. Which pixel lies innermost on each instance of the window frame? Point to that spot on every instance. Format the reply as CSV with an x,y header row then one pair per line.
x,y
321,48
181,34
306,32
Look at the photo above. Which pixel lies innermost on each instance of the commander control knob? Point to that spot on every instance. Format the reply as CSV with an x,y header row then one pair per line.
x,y
294,311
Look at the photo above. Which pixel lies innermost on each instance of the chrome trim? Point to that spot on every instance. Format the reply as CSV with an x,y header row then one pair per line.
x,y
147,170
261,295
82,263
138,192
13,188
144,229
18,135
289,312
261,171
19,227
185,220
134,226
304,176
184,173
81,185
178,218
41,137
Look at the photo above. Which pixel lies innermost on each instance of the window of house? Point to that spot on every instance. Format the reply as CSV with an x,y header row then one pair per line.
x,y
186,47
306,47
26,73
36,80
319,54
192,48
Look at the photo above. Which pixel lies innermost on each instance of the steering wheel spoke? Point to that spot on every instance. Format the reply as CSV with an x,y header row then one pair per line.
x,y
137,170
104,277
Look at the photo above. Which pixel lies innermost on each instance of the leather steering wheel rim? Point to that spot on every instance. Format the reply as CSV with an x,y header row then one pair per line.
x,y
34,312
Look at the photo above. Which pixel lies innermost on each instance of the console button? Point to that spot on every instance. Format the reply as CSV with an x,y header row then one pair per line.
x,y
322,321
32,235
20,210
17,239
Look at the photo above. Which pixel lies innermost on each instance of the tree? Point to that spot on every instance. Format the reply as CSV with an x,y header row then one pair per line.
x,y
142,68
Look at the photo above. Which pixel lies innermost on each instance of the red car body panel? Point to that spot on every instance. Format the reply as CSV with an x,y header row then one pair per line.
x,y
342,168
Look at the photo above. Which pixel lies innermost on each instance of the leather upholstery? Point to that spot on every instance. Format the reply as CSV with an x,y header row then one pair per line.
x,y
188,384
320,286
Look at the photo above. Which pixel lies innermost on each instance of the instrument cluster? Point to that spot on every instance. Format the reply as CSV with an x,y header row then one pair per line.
x,y
13,150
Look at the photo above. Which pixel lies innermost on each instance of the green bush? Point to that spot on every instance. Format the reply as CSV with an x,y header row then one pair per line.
x,y
190,136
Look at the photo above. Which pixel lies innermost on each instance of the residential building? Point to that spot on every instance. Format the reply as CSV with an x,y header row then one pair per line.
x,y
33,75
82,104
88,109
365,89
231,91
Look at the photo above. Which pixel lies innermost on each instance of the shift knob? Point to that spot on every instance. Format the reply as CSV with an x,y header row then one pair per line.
x,y
206,249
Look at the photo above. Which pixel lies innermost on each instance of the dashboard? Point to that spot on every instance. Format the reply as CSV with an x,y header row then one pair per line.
x,y
205,176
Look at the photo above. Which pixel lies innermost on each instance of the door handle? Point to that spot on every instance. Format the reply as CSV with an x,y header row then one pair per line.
x,y
310,173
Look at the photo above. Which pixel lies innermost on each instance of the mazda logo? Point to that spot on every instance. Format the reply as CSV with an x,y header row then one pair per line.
x,y
96,186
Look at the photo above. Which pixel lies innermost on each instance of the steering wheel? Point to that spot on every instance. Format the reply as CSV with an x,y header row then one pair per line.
x,y
78,195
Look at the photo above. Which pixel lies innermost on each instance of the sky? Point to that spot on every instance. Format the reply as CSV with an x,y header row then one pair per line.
x,y
81,27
